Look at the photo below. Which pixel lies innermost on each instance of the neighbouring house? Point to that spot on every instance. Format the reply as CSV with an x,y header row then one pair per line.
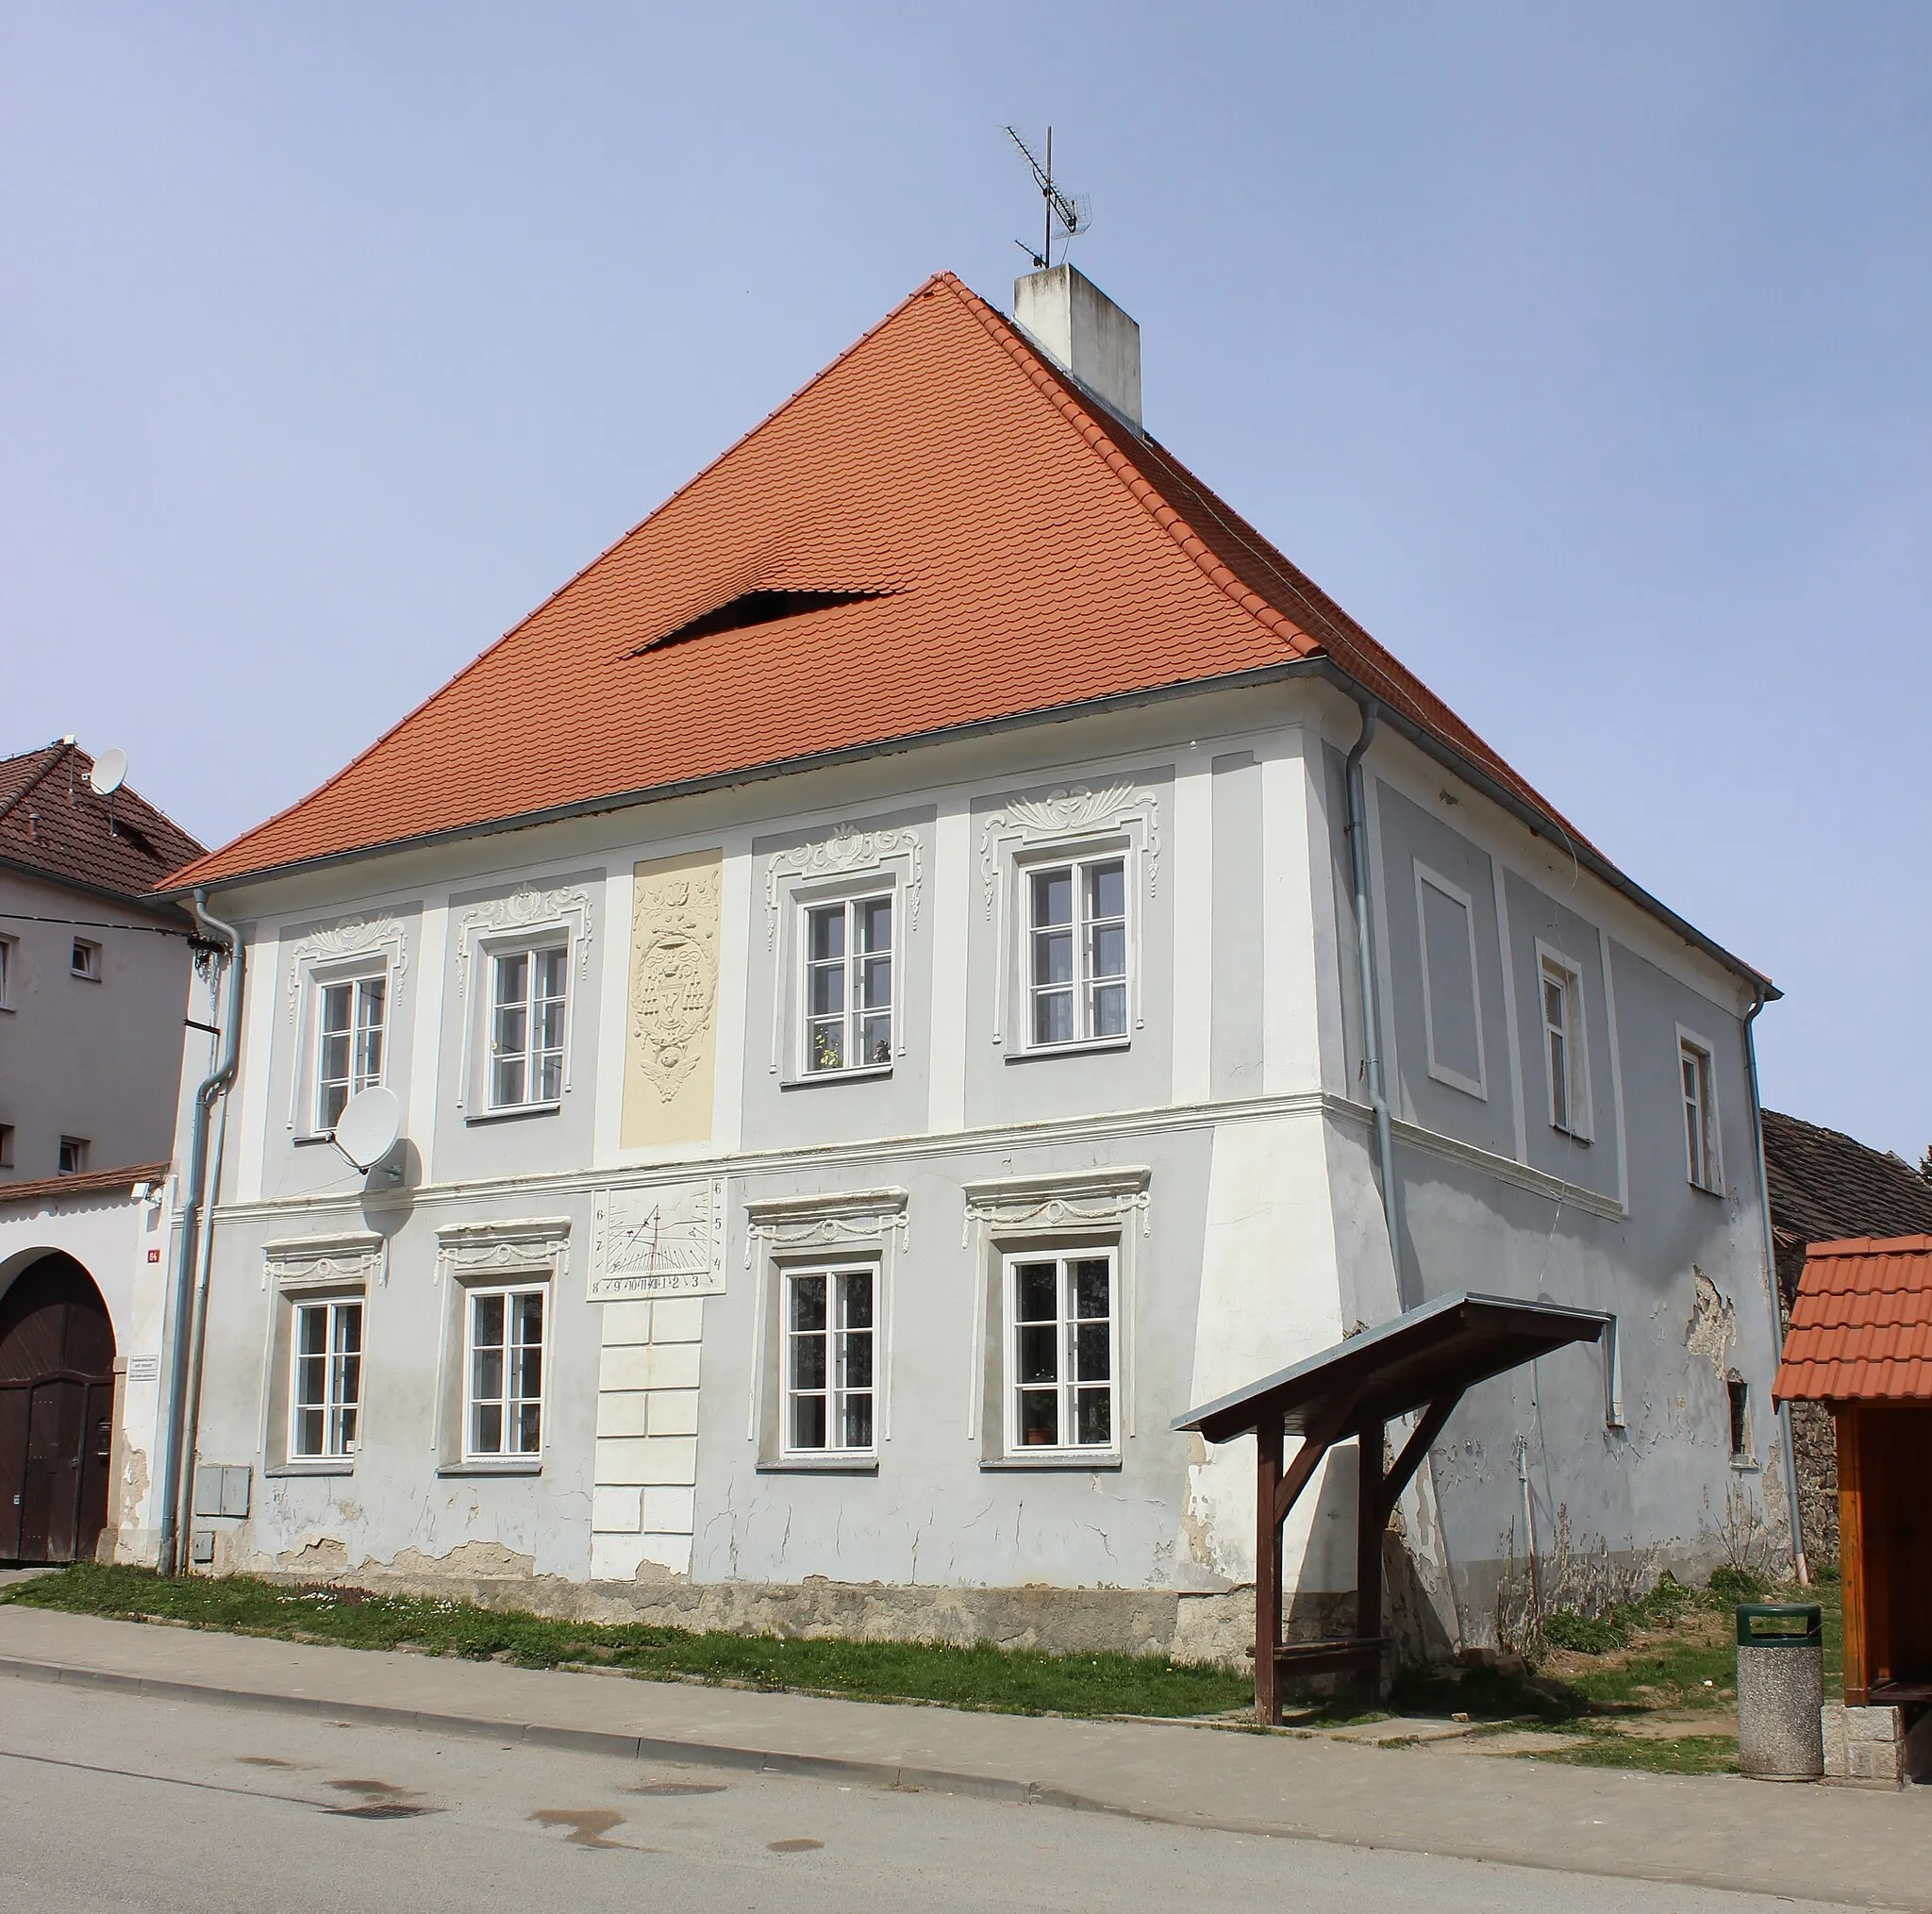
x,y
873,985
1826,1187
96,980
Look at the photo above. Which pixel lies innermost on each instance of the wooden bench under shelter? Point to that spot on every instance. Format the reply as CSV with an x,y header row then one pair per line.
x,y
1420,1363
1861,1342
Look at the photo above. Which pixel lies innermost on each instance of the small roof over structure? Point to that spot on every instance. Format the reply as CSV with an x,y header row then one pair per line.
x,y
1443,1348
1861,1327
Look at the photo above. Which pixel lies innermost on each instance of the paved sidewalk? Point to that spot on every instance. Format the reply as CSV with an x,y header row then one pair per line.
x,y
1826,1844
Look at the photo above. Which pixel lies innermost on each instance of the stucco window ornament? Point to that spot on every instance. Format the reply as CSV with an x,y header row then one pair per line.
x,y
523,1245
846,848
673,974
864,1217
359,937
306,1262
1071,819
1078,1200
527,909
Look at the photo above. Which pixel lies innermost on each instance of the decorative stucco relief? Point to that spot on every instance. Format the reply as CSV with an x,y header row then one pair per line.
x,y
673,1004
358,937
465,1250
1078,810
808,1222
353,1257
847,847
1074,1201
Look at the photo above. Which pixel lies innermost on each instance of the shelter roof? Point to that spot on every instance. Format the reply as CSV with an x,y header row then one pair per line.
x,y
54,825
1861,1327
1437,1349
940,531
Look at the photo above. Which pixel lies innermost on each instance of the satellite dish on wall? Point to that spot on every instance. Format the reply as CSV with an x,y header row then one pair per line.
x,y
368,1127
110,772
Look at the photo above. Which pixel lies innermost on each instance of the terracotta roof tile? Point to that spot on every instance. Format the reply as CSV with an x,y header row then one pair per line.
x,y
1031,554
1861,1327
51,823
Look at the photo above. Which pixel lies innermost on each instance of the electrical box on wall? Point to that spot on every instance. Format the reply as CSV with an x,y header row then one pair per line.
x,y
222,1488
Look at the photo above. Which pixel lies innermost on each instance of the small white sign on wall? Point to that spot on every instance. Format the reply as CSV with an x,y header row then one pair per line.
x,y
143,1368
663,1239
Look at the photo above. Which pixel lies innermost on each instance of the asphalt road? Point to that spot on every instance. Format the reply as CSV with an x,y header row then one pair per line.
x,y
124,1801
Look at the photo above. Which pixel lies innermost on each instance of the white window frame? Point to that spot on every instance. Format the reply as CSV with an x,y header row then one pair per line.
x,y
78,1147
853,1016
494,955
336,1400
1477,1086
1078,862
834,1392
1553,966
1692,1047
10,958
508,1291
1067,1385
6,1146
84,960
354,980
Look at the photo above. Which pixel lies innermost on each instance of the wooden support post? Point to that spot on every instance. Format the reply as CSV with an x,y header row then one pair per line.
x,y
1269,1439
1851,1555
1371,1518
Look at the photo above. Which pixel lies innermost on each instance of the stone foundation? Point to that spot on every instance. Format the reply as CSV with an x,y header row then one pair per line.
x,y
1877,1747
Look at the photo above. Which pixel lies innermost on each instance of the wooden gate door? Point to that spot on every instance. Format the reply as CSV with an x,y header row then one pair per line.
x,y
56,1397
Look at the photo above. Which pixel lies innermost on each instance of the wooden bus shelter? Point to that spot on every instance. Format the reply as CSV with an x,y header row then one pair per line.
x,y
1861,1342
1421,1363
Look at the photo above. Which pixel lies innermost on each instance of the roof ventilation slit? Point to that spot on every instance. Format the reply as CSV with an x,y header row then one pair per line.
x,y
748,609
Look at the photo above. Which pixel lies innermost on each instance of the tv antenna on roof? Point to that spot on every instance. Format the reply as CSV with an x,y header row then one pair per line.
x,y
1070,214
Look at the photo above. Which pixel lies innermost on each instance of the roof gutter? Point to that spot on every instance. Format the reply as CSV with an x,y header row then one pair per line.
x,y
1537,821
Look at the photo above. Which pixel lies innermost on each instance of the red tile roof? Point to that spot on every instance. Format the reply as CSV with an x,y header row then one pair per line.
x,y
53,825
88,1183
1861,1328
1027,552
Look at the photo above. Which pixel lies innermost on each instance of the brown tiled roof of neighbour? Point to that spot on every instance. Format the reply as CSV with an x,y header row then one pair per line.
x,y
1826,1186
982,542
88,1183
53,825
1861,1328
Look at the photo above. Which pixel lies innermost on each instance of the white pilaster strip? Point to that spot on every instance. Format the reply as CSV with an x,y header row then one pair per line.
x,y
1291,1040
260,993
1192,883
952,893
613,1028
734,948
1511,1029
425,1029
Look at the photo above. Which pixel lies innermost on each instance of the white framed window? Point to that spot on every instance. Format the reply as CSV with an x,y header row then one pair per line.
x,y
848,985
1698,1082
503,1350
1076,951
326,1380
1062,1351
73,1157
830,1370
84,960
10,960
1566,1043
351,1028
529,993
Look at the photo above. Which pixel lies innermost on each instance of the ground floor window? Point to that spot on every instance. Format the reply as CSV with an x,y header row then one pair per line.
x,y
1061,1338
503,1367
325,1395
829,1385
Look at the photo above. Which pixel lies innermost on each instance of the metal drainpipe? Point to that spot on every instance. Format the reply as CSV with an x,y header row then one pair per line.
x,y
1364,944
177,1474
1777,1320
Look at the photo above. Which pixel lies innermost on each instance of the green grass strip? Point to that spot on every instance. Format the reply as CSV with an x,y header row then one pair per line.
x,y
1007,1681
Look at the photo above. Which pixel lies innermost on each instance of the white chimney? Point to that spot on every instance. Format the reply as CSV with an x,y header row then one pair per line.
x,y
1078,327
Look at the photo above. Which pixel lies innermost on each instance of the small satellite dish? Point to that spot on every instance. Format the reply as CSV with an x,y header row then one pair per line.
x,y
110,772
368,1127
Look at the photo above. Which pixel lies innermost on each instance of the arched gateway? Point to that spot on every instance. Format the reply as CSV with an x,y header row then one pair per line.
x,y
56,1412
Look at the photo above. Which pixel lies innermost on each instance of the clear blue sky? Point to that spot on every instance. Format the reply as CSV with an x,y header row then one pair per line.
x,y
1581,352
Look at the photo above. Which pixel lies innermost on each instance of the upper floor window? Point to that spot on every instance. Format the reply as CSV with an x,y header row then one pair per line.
x,y
528,995
1694,1071
828,1361
325,1392
1566,1053
73,1158
848,985
1077,957
1061,1334
349,1046
84,960
10,957
6,1146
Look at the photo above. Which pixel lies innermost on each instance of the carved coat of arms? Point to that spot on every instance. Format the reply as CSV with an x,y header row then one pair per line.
x,y
673,975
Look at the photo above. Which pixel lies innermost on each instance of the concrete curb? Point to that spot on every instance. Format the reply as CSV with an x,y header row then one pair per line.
x,y
576,1740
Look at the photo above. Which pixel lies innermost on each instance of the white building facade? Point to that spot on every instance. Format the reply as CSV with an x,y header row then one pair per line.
x,y
820,1190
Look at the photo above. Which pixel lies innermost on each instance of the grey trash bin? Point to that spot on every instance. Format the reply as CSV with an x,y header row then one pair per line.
x,y
1780,1690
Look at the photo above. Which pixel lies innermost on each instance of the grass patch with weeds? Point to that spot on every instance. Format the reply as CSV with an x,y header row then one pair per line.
x,y
1687,1754
1010,1681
